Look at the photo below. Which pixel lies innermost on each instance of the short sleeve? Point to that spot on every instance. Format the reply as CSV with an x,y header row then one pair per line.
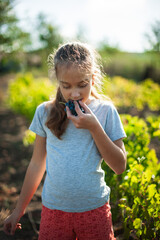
x,y
37,124
114,127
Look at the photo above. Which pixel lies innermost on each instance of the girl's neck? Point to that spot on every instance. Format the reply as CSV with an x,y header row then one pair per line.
x,y
90,99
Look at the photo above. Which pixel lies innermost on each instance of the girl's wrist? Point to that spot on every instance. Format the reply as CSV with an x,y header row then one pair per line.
x,y
94,126
18,212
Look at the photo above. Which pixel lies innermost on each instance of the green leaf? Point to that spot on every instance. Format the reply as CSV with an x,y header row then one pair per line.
x,y
134,179
151,190
137,223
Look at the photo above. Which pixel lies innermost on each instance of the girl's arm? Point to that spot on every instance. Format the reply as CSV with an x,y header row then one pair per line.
x,y
33,177
113,153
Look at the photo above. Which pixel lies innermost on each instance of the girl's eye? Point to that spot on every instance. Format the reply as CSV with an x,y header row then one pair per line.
x,y
84,85
66,87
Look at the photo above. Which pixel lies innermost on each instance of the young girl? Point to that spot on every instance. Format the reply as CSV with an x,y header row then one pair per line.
x,y
70,148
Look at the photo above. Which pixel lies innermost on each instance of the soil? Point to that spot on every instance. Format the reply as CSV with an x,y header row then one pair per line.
x,y
14,159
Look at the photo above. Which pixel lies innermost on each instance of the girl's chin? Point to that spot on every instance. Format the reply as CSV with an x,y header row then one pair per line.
x,y
88,101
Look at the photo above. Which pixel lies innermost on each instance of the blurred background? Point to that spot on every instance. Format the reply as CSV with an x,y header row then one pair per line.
x,y
126,34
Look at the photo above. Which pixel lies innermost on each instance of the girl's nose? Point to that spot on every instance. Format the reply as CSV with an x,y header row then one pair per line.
x,y
75,95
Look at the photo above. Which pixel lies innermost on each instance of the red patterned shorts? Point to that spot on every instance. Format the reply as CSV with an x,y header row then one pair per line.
x,y
90,225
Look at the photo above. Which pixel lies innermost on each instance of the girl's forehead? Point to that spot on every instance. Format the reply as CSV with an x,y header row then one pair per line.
x,y
74,71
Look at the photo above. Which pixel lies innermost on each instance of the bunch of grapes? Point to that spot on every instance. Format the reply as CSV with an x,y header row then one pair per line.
x,y
71,106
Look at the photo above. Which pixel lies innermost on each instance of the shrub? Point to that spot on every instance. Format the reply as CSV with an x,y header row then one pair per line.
x,y
26,93
140,202
128,94
154,126
135,192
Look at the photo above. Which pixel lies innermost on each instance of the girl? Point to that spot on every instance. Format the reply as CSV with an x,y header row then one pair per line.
x,y
70,148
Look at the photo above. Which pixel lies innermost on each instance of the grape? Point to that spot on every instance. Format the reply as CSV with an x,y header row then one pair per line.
x,y
71,106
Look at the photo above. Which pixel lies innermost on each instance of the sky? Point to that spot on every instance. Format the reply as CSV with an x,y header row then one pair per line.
x,y
119,22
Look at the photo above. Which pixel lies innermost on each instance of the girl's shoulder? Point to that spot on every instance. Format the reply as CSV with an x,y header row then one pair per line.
x,y
102,103
44,107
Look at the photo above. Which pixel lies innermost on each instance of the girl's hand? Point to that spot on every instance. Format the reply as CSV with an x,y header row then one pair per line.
x,y
85,120
11,223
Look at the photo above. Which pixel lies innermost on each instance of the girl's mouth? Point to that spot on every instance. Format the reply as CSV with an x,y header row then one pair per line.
x,y
71,106
78,100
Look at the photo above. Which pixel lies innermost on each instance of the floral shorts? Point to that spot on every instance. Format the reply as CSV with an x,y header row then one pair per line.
x,y
90,225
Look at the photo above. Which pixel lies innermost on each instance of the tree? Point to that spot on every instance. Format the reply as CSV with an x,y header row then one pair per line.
x,y
106,48
12,38
154,37
49,34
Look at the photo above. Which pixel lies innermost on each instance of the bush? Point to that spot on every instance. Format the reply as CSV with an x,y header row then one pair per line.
x,y
26,93
140,202
127,94
136,190
154,126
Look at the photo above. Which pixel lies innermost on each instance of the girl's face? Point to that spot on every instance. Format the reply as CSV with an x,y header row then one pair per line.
x,y
75,84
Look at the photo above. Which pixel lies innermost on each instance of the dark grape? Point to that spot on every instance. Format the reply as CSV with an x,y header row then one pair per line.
x,y
71,106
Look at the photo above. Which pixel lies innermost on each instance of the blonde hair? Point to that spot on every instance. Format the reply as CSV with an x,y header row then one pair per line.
x,y
88,60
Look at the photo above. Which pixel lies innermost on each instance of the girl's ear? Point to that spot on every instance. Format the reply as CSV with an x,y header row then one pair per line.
x,y
93,79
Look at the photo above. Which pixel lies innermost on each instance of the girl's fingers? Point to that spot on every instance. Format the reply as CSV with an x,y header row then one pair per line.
x,y
19,226
9,228
77,108
68,111
14,227
69,114
85,107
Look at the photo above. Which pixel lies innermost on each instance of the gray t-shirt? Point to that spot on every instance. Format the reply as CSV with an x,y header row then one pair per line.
x,y
74,178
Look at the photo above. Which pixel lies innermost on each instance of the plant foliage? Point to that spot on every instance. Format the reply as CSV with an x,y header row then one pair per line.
x,y
26,93
128,94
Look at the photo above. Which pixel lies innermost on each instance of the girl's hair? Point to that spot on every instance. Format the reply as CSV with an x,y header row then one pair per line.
x,y
87,59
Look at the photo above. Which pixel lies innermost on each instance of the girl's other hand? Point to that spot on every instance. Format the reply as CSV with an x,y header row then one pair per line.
x,y
11,224
85,120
